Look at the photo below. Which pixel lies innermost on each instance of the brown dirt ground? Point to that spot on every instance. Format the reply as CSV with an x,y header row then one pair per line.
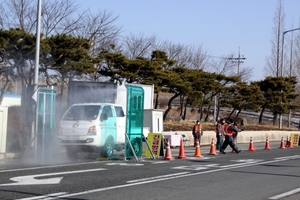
x,y
210,126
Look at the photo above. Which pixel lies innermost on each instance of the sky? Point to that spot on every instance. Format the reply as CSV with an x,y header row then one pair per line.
x,y
221,27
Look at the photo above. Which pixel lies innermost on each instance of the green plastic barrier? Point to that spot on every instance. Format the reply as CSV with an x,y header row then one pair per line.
x,y
134,120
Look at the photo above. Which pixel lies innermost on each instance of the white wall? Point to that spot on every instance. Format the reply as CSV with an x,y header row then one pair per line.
x,y
7,101
3,128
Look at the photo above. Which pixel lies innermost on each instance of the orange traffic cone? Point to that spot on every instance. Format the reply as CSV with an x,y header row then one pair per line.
x,y
267,147
197,150
168,155
181,151
212,148
291,143
251,146
287,144
282,144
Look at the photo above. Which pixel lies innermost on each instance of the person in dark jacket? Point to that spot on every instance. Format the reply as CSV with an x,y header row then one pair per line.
x,y
229,130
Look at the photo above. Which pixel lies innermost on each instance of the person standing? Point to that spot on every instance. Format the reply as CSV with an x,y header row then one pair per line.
x,y
197,132
229,131
219,133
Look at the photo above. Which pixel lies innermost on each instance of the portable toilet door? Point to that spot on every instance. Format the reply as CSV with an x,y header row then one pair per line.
x,y
45,120
134,120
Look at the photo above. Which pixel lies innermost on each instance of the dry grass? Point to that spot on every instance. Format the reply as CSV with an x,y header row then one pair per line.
x,y
210,126
175,123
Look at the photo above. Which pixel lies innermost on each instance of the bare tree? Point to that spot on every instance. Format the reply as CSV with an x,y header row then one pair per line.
x,y
2,16
99,28
272,67
246,73
199,58
19,14
57,15
223,65
297,54
192,57
138,46
178,52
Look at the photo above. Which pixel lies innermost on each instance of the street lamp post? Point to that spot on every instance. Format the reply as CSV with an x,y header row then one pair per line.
x,y
36,70
281,66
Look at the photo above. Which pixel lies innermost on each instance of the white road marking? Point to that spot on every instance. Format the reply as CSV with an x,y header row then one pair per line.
x,y
30,179
201,158
191,168
44,196
236,165
126,164
288,157
44,167
286,194
160,162
169,178
196,167
156,177
247,160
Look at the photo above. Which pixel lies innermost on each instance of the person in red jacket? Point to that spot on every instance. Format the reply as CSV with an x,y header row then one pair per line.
x,y
197,132
229,130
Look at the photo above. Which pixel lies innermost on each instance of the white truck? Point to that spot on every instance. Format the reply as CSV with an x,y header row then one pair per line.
x,y
97,127
85,127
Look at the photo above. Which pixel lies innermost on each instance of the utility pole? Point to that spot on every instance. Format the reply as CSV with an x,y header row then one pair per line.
x,y
239,60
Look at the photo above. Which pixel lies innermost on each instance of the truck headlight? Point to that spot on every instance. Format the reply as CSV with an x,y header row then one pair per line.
x,y
92,130
59,131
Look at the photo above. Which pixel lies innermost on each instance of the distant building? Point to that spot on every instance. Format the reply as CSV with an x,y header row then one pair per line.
x,y
11,99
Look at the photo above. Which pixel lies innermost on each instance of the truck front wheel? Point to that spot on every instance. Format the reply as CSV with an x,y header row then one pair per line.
x,y
108,149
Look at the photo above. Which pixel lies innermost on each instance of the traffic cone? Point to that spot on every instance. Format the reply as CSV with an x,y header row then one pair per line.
x,y
181,151
287,144
168,155
251,146
282,144
267,147
197,150
291,143
212,148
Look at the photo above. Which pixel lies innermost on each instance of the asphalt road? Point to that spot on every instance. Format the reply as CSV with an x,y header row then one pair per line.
x,y
262,174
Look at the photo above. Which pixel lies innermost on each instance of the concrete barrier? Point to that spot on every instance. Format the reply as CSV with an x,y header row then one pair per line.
x,y
243,137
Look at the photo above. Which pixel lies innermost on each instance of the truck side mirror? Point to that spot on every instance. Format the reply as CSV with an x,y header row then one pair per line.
x,y
103,117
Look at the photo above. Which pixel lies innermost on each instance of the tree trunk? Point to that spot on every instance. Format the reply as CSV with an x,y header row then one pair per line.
x,y
237,114
156,101
207,114
181,105
231,113
275,119
170,105
218,113
201,113
185,110
261,114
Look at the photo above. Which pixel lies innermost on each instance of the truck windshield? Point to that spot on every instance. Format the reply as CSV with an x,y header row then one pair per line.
x,y
82,112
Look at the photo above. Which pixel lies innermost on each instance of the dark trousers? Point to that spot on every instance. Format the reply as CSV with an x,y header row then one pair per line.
x,y
197,137
229,141
219,141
